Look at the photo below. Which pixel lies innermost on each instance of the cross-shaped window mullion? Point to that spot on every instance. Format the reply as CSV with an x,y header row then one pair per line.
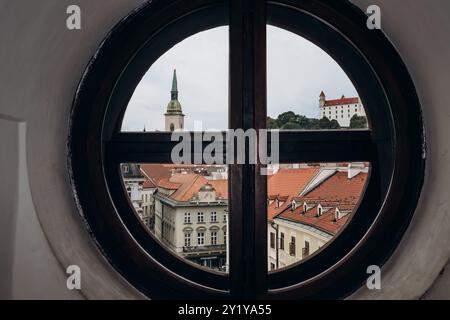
x,y
248,110
294,146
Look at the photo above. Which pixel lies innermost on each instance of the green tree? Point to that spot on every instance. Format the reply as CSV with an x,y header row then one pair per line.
x,y
334,124
357,122
302,121
272,123
291,126
291,121
313,124
324,123
286,117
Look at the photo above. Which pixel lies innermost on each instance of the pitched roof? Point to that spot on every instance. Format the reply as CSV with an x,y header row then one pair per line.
x,y
188,185
342,101
156,171
221,187
338,191
339,188
326,222
286,184
148,183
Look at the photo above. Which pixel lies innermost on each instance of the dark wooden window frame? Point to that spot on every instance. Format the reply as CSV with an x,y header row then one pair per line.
x,y
394,146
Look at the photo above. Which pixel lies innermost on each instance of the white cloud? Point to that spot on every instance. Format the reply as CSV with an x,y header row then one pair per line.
x,y
297,71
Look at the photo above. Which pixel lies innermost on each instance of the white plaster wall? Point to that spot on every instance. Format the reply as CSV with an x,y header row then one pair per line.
x,y
9,173
301,235
420,31
41,63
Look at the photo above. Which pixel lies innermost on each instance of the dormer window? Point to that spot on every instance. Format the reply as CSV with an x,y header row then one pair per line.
x,y
294,205
305,207
125,168
319,210
337,214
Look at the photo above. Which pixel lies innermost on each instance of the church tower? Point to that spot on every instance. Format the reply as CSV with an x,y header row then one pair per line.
x,y
174,117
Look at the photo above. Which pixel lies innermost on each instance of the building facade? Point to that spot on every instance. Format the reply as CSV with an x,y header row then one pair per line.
x,y
341,110
191,218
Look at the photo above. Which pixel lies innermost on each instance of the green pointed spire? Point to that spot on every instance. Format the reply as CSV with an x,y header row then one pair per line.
x,y
174,91
174,106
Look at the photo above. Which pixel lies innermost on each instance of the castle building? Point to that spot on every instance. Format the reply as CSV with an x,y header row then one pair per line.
x,y
174,117
341,110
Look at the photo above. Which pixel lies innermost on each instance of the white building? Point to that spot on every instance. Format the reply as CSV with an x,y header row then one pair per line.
x,y
341,110
133,181
191,218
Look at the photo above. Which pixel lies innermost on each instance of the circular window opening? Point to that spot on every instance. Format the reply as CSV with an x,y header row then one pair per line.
x,y
221,231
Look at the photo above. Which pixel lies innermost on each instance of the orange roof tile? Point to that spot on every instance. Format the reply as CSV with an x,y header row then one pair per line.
x,y
339,188
156,171
186,186
221,187
287,183
148,183
337,191
326,222
169,185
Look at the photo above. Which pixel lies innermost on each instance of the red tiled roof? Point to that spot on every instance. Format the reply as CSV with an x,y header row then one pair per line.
x,y
322,94
156,171
337,191
169,185
326,222
287,183
338,188
148,183
221,187
186,186
290,182
342,101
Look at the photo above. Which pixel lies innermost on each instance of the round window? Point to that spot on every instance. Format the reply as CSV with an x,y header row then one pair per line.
x,y
338,200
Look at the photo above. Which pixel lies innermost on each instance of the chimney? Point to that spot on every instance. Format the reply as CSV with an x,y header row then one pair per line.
x,y
352,170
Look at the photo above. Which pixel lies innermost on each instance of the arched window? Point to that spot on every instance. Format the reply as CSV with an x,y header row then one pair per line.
x,y
393,144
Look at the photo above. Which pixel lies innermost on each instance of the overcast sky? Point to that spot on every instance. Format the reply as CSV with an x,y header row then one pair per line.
x,y
297,71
